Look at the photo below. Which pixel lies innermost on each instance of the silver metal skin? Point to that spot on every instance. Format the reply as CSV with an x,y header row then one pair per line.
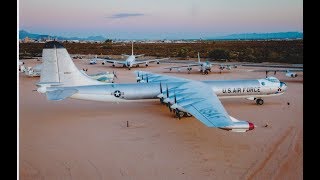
x,y
139,91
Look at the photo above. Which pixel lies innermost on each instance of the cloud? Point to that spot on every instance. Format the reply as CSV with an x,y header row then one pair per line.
x,y
125,15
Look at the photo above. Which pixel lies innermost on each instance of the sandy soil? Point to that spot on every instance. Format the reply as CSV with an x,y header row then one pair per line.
x,y
75,139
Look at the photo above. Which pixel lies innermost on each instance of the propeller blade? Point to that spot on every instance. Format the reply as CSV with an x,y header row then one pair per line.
x,y
160,87
138,74
147,78
167,91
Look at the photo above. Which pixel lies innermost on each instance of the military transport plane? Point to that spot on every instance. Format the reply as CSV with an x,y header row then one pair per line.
x,y
204,67
186,97
290,71
129,62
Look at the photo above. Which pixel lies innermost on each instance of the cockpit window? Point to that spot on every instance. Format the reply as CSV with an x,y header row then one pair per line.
x,y
272,79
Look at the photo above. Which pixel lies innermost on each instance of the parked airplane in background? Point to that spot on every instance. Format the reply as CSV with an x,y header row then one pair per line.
x,y
129,62
31,71
101,76
95,59
290,71
204,67
61,79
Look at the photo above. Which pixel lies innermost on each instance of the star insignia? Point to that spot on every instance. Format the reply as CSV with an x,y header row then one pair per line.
x,y
117,93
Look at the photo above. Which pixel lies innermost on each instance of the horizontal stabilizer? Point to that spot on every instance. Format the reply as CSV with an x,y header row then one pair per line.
x,y
60,94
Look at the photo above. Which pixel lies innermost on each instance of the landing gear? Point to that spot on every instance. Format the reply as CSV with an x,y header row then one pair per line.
x,y
189,69
124,65
179,114
129,68
102,63
147,65
158,62
113,65
259,101
137,65
205,72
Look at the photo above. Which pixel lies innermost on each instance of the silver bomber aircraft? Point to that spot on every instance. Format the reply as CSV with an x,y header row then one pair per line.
x,y
129,62
183,96
204,67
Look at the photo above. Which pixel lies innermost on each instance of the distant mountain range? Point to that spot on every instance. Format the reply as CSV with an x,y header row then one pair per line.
x,y
248,36
23,34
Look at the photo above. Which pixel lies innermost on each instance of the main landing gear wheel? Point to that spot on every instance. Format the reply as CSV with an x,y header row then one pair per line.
x,y
259,101
179,114
137,65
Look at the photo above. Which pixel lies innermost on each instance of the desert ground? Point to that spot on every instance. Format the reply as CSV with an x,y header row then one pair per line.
x,y
76,139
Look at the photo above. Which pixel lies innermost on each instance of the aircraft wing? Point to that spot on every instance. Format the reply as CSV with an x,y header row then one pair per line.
x,y
183,66
157,78
149,61
199,100
277,70
203,104
114,61
60,94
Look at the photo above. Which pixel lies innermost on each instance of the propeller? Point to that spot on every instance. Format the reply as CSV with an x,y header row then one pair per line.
x,y
147,78
161,99
114,74
176,110
266,74
168,104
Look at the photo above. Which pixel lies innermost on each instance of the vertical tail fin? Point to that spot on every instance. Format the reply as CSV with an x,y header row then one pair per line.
x,y
58,67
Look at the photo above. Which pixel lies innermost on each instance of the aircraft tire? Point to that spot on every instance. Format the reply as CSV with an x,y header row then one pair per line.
x,y
259,101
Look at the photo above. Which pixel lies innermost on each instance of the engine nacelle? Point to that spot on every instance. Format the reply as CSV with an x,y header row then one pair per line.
x,y
291,74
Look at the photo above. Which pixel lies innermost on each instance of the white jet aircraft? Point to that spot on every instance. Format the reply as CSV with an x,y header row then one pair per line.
x,y
204,67
61,79
129,62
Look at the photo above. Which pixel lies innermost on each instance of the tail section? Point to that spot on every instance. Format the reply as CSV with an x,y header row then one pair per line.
x,y
58,67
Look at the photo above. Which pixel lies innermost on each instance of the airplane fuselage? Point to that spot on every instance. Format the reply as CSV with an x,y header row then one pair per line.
x,y
130,61
141,91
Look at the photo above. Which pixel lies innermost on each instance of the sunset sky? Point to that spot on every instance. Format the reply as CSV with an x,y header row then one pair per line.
x,y
159,19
